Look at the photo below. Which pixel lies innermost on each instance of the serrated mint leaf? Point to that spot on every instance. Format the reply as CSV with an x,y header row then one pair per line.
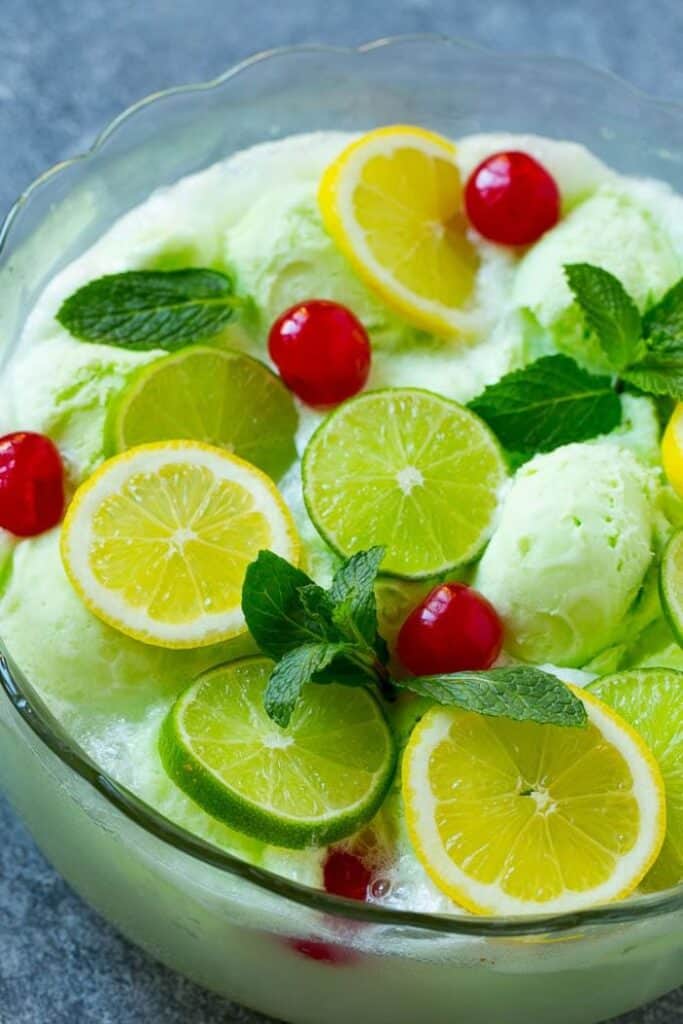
x,y
665,320
274,612
660,371
609,311
520,692
353,596
148,309
549,403
291,674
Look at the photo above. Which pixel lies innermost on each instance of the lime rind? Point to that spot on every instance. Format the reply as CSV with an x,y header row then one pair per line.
x,y
426,566
217,797
671,584
217,396
651,701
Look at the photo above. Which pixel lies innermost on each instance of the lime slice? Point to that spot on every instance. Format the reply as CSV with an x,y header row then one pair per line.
x,y
410,470
222,398
671,584
651,700
317,781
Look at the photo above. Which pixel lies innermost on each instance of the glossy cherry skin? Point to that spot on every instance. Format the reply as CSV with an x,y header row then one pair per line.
x,y
322,352
31,484
344,874
453,630
510,198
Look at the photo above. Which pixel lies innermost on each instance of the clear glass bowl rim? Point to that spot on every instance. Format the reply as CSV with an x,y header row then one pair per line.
x,y
48,730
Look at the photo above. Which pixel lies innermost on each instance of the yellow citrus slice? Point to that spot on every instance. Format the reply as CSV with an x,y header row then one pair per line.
x,y
519,818
157,541
392,202
672,449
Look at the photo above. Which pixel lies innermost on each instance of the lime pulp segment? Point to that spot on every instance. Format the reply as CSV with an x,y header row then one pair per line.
x,y
409,470
317,781
651,700
222,398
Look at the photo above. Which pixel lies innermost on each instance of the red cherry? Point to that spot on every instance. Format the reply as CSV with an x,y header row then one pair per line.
x,y
321,350
453,630
31,484
323,952
510,198
344,874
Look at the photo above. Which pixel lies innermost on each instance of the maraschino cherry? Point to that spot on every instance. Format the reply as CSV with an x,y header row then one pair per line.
x,y
344,874
31,484
512,199
322,352
455,629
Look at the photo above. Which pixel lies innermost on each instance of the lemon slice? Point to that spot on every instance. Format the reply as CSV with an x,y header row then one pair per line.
x,y
519,818
392,202
672,449
158,540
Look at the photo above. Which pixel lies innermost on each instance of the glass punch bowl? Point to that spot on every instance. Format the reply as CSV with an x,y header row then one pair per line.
x,y
227,924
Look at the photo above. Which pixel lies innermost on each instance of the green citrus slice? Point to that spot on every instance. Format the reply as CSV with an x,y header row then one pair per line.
x,y
204,394
317,781
651,700
671,584
407,469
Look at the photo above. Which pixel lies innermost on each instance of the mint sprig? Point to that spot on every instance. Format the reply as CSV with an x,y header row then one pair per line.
x,y
315,635
608,310
147,309
549,403
646,351
554,401
660,370
331,636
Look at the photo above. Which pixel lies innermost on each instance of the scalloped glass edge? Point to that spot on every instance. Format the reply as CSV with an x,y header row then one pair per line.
x,y
48,730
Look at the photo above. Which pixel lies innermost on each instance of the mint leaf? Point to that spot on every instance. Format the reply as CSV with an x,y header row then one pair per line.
x,y
291,674
317,605
660,371
355,604
148,309
665,320
609,311
520,692
549,403
276,616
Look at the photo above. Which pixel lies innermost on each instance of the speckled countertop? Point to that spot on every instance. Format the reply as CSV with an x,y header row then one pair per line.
x,y
68,66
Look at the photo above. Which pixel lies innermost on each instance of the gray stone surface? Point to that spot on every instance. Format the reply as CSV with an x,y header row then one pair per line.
x,y
66,67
